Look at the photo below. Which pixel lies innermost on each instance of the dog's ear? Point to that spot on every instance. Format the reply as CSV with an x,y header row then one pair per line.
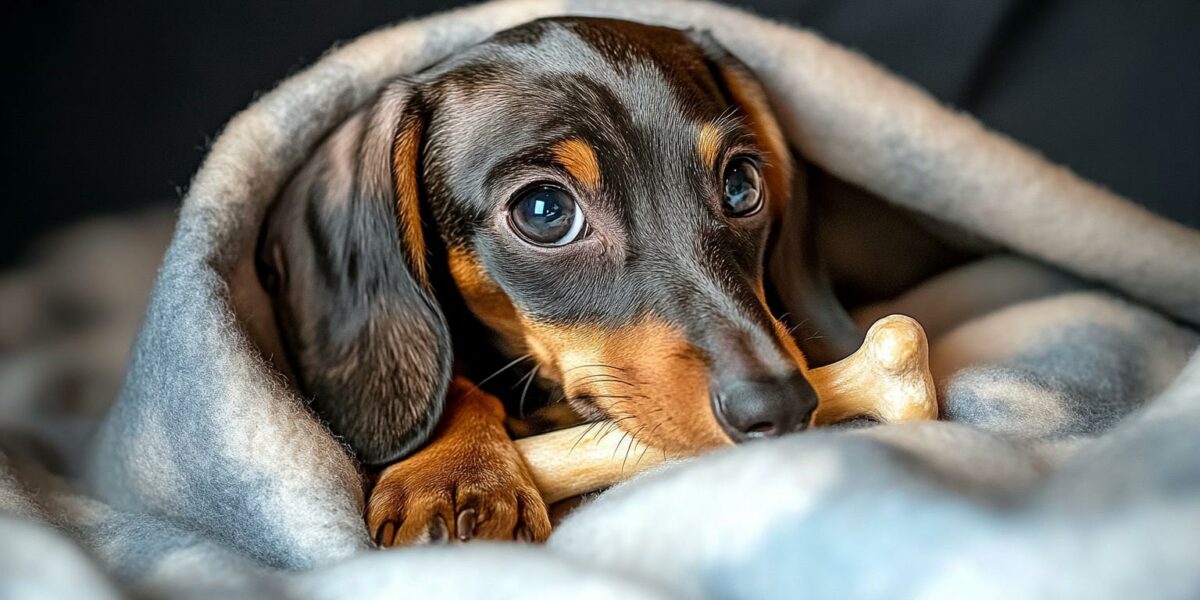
x,y
343,257
800,282
795,271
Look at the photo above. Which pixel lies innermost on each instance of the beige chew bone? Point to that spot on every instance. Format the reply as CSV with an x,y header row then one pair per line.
x,y
887,379
574,461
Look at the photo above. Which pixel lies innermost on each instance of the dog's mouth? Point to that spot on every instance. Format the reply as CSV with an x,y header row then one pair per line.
x,y
652,382
644,381
608,394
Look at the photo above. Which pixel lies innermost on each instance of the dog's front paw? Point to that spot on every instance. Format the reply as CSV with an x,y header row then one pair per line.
x,y
469,483
484,493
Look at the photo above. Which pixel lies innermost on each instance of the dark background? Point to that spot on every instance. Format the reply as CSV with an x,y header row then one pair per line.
x,y
109,106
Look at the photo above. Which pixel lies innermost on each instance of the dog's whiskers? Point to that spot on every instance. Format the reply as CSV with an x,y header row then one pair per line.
x,y
587,430
532,375
792,330
624,435
633,439
523,377
616,415
601,378
647,446
510,365
613,426
595,365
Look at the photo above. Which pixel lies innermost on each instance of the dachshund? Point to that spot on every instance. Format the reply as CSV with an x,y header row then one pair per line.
x,y
593,200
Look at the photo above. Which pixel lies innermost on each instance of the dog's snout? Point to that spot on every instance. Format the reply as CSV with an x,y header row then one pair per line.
x,y
755,408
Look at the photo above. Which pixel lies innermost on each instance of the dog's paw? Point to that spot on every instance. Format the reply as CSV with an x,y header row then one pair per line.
x,y
457,490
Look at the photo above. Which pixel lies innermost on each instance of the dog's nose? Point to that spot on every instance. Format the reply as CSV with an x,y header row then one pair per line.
x,y
755,408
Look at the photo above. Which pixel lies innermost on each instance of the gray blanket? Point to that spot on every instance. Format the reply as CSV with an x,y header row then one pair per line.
x,y
1068,465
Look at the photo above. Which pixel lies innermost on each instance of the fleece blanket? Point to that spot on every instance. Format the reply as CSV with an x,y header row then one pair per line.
x,y
1067,463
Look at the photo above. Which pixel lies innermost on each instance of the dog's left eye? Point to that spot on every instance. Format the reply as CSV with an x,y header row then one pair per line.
x,y
546,216
742,188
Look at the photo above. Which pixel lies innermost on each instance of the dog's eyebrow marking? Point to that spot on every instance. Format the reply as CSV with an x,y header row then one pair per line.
x,y
715,134
579,159
708,143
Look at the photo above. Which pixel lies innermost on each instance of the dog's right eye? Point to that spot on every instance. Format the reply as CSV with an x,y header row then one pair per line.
x,y
546,215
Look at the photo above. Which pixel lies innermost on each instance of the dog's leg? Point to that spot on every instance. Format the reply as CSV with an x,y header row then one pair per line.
x,y
469,482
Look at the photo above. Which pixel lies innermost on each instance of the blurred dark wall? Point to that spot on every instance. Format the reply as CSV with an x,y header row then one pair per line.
x,y
109,106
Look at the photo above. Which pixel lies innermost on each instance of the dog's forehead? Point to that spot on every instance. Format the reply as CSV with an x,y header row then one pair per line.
x,y
635,93
651,73
655,71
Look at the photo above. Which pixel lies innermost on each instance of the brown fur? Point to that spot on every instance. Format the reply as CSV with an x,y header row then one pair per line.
x,y
578,158
486,300
622,369
469,482
708,144
405,157
644,356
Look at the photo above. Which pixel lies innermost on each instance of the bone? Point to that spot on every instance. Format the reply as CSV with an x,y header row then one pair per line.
x,y
578,460
886,379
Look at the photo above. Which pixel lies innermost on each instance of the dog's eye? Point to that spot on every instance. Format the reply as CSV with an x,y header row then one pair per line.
x,y
546,216
742,187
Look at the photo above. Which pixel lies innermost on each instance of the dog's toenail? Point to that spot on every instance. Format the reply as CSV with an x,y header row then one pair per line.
x,y
386,533
438,532
466,524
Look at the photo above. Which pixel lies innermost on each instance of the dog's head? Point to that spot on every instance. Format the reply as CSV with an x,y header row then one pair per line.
x,y
601,195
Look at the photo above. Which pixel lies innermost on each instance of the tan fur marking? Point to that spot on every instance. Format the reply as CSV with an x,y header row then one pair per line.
x,y
408,202
708,144
658,389
578,158
486,300
470,463
666,389
778,170
789,345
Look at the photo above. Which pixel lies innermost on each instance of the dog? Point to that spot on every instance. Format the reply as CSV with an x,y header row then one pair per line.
x,y
593,200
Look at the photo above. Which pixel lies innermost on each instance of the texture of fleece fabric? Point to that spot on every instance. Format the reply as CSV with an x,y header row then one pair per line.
x,y
209,475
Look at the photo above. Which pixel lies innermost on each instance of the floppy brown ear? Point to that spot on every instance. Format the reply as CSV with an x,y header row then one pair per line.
x,y
343,257
824,330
